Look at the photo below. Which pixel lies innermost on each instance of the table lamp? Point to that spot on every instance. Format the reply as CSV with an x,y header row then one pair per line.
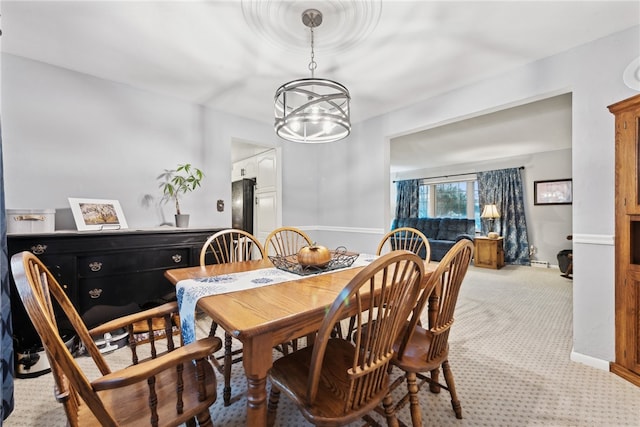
x,y
490,212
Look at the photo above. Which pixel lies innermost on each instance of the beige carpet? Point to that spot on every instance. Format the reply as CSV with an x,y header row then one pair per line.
x,y
510,351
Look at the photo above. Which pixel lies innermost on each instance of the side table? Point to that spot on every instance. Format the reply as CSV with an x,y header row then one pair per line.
x,y
488,253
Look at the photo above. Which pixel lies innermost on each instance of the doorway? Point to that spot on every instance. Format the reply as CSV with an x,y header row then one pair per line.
x,y
262,165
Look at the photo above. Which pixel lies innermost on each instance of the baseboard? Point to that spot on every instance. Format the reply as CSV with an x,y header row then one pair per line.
x,y
603,365
594,239
539,264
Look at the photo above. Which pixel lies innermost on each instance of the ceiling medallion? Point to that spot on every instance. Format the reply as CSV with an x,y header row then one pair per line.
x,y
312,110
346,23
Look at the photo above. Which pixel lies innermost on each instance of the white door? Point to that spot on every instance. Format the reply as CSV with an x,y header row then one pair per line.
x,y
265,214
266,209
267,172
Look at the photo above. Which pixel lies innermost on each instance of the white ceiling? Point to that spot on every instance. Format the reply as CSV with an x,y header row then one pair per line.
x,y
233,55
535,127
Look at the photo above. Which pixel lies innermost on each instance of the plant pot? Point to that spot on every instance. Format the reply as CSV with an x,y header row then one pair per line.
x,y
182,220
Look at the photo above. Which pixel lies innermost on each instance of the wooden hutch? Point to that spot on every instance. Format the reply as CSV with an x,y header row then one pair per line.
x,y
627,240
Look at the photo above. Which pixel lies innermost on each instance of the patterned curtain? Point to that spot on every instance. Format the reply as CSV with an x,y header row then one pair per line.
x,y
407,201
504,188
6,331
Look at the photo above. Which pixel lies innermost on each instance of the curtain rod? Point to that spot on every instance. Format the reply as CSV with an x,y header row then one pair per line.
x,y
453,174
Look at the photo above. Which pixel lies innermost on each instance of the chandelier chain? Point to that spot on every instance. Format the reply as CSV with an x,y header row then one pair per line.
x,y
313,64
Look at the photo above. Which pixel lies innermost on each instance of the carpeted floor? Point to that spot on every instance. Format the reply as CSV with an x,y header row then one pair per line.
x,y
510,351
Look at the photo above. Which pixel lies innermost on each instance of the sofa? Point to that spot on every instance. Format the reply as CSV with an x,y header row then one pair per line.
x,y
442,233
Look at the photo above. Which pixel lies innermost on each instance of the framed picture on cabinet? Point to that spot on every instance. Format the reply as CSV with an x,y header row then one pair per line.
x,y
553,192
97,214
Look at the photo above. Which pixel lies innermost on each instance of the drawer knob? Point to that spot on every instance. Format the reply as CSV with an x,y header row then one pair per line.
x,y
95,266
176,258
95,293
38,249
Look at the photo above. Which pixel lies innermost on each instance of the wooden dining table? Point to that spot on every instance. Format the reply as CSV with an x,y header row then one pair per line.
x,y
264,317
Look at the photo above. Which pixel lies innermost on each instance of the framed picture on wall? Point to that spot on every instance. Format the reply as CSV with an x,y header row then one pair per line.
x,y
97,214
553,192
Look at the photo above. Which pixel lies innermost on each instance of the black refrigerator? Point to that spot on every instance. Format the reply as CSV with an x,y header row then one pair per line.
x,y
242,204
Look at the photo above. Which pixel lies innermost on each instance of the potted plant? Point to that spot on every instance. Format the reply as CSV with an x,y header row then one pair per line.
x,y
176,182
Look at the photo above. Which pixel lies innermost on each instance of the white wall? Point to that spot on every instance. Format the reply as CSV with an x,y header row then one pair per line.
x,y
547,226
351,175
67,134
219,130
300,186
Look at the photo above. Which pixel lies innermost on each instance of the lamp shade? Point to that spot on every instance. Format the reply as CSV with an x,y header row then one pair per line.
x,y
490,211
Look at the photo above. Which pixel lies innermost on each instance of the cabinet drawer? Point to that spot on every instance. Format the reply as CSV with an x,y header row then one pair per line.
x,y
123,290
126,262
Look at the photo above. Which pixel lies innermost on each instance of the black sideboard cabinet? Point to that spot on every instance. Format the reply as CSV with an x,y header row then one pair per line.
x,y
107,269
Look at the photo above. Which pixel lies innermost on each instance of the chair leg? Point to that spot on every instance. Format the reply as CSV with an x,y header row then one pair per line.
x,y
226,392
204,419
272,406
390,411
293,344
414,402
284,347
351,328
213,328
448,377
212,358
337,331
433,384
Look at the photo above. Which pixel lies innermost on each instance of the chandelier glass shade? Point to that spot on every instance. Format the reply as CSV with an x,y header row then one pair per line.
x,y
312,110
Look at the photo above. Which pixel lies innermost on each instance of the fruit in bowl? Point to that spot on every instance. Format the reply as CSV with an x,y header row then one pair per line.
x,y
314,256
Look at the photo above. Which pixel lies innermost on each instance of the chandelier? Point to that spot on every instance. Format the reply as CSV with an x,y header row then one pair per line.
x,y
312,110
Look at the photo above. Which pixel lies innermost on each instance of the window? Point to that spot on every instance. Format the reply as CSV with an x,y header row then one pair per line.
x,y
456,199
450,200
423,197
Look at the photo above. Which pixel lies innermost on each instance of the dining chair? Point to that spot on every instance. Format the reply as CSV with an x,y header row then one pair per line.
x,y
165,385
337,381
226,246
406,238
231,245
421,350
410,239
286,241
